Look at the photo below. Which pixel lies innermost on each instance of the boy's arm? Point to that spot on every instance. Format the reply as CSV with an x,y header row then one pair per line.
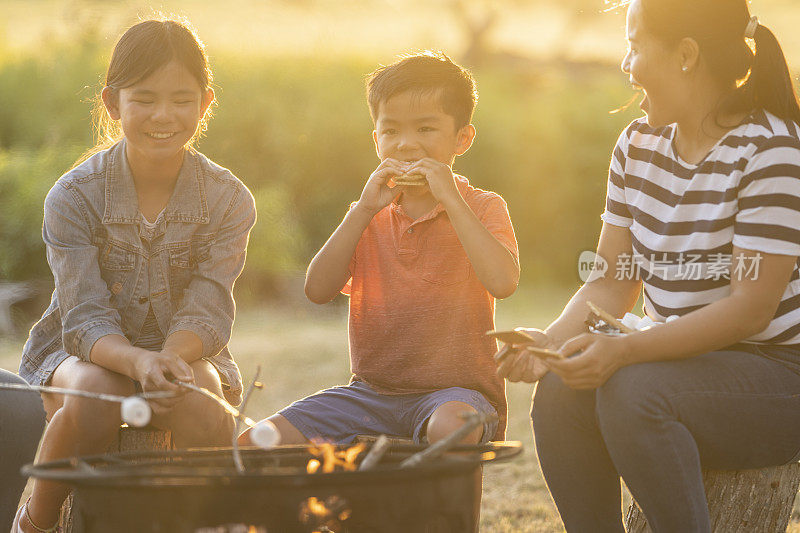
x,y
329,270
494,264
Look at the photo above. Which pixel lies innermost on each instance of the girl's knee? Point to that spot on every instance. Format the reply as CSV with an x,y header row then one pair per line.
x,y
206,376
94,378
93,416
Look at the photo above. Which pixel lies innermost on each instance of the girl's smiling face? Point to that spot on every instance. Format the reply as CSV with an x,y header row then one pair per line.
x,y
160,114
655,68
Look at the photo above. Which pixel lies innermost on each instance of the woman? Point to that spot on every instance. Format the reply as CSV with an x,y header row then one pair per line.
x,y
704,196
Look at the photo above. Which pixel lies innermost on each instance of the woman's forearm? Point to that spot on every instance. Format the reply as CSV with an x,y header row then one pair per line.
x,y
723,323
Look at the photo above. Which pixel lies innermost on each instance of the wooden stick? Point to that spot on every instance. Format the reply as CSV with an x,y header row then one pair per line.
x,y
543,353
237,455
83,393
225,405
471,421
609,318
375,454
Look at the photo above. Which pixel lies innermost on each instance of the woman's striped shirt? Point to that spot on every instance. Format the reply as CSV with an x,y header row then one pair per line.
x,y
685,219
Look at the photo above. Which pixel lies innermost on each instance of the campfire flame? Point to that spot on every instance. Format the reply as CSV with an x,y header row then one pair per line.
x,y
324,515
313,466
328,514
328,459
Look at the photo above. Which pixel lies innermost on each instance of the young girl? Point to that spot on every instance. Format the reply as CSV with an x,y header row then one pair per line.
x,y
145,240
704,195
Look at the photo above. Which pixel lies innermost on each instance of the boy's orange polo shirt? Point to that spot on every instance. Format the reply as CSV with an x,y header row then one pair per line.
x,y
418,313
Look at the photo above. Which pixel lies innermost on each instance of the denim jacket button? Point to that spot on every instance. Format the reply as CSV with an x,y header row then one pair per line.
x,y
116,288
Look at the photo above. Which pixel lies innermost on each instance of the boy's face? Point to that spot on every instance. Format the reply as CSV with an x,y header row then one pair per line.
x,y
411,126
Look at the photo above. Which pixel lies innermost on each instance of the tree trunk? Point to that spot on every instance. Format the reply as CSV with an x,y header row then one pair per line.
x,y
741,501
128,439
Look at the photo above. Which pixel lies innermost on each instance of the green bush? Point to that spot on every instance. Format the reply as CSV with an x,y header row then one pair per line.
x,y
298,133
25,178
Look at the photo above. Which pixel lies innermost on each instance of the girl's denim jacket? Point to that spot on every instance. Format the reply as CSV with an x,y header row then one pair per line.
x,y
107,276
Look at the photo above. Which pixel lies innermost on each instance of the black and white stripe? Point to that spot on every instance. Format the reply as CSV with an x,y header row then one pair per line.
x,y
745,193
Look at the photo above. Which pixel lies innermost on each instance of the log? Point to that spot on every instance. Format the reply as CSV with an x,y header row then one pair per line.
x,y
741,501
128,439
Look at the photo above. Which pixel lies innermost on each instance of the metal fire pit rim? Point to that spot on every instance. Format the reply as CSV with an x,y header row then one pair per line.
x,y
78,471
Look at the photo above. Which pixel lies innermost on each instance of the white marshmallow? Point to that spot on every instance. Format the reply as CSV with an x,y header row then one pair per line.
x,y
135,411
645,323
630,320
265,435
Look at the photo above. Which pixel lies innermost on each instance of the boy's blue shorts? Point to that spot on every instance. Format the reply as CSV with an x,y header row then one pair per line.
x,y
340,414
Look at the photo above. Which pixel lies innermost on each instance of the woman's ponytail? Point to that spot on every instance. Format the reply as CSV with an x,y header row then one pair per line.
x,y
770,84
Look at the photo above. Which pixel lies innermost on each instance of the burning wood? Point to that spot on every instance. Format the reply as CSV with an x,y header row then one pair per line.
x,y
376,453
312,466
232,528
329,458
324,515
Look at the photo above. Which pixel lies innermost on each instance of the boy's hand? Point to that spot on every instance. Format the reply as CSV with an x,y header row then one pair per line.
x,y
440,178
377,194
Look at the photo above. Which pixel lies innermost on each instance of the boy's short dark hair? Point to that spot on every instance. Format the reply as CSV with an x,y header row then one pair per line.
x,y
425,72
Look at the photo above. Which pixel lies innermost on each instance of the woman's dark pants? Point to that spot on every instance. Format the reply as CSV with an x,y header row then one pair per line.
x,y
655,425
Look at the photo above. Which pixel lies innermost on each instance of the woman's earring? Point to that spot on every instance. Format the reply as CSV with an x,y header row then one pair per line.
x,y
685,69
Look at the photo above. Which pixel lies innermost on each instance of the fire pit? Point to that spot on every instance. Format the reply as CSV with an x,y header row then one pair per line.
x,y
200,491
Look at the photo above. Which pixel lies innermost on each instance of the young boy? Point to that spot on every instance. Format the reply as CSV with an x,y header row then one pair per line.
x,y
422,264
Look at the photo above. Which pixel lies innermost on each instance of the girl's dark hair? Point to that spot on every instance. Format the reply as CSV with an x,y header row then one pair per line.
x,y
759,77
142,50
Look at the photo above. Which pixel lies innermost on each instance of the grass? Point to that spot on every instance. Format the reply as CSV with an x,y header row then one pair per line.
x,y
302,348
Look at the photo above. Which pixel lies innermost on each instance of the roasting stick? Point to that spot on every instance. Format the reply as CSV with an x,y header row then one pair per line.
x,y
236,413
471,421
134,410
85,394
376,453
609,318
237,455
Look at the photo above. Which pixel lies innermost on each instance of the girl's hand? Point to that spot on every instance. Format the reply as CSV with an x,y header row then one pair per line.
x,y
600,356
155,372
377,194
522,365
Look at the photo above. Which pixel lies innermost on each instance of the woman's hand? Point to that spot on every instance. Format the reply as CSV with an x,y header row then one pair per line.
x,y
155,372
520,364
600,356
